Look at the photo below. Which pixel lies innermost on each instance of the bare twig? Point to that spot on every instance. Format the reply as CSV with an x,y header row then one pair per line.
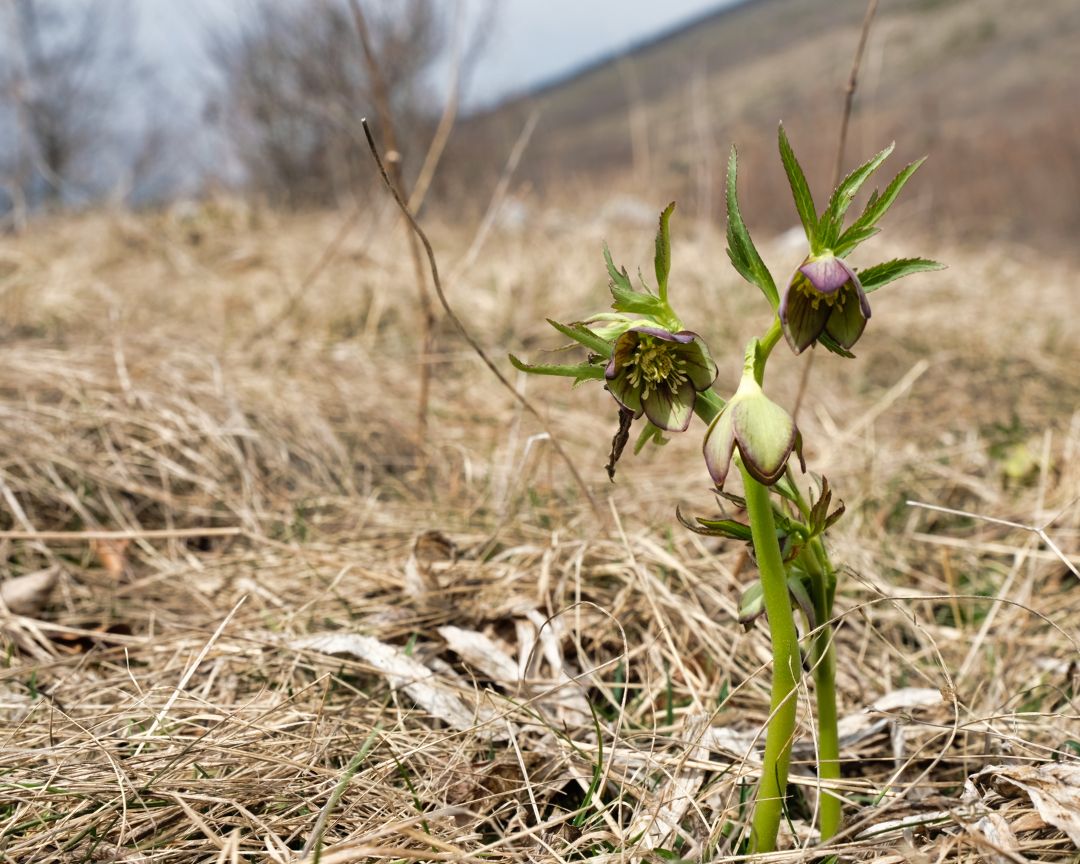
x,y
156,534
446,121
1037,530
516,152
381,95
852,86
463,330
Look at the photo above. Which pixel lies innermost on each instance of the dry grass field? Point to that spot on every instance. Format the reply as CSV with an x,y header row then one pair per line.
x,y
316,632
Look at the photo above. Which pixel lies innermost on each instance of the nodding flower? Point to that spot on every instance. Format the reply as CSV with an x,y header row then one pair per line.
x,y
763,432
824,295
659,374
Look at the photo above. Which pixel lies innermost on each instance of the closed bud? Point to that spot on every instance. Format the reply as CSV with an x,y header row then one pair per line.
x,y
763,432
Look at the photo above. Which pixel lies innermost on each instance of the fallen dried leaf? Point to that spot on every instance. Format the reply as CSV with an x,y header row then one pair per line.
x,y
28,594
1053,787
436,696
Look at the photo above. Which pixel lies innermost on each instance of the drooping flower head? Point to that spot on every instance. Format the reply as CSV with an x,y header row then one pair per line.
x,y
826,296
763,432
659,373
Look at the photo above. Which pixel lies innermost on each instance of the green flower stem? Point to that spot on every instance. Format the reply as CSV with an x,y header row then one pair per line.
x,y
823,653
769,340
768,807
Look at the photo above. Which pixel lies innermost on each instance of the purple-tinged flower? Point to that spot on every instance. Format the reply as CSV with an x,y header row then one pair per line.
x,y
764,433
824,296
658,373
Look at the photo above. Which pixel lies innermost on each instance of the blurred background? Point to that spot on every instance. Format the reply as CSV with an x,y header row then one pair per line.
x,y
146,103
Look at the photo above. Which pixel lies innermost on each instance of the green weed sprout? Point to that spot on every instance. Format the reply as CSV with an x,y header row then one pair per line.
x,y
654,367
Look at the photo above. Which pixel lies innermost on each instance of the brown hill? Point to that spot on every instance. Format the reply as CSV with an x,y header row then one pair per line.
x,y
987,92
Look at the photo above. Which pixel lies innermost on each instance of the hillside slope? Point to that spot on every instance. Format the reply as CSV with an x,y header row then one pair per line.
x,y
987,93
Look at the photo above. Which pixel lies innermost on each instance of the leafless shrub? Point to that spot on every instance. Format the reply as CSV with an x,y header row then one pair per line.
x,y
62,74
294,86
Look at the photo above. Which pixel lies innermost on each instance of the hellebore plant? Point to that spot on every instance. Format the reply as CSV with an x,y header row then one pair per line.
x,y
654,367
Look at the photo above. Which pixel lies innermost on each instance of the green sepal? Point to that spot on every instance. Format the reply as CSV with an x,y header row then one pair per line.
x,y
649,433
800,190
584,336
832,220
626,297
874,277
876,207
579,371
663,252
741,250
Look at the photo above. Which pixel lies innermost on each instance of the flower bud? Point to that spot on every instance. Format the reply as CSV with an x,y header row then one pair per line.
x,y
763,431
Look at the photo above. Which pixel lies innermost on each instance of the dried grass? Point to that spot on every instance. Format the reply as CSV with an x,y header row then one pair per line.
x,y
169,703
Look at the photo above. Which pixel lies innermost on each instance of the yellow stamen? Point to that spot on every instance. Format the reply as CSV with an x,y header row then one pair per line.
x,y
655,362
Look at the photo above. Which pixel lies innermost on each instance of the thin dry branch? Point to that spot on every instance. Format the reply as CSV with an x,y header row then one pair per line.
x,y
381,96
464,331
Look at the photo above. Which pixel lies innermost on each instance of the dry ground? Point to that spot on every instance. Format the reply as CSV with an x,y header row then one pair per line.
x,y
403,648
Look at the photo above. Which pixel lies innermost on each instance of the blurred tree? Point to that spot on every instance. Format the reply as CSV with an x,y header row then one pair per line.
x,y
295,83
58,94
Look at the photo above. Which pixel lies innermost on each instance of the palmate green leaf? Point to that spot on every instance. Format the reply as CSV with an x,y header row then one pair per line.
x,y
729,528
800,190
663,251
741,250
852,238
578,371
876,207
619,278
874,277
583,336
832,220
627,298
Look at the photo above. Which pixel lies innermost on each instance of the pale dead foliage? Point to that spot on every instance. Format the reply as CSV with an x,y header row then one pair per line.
x,y
443,631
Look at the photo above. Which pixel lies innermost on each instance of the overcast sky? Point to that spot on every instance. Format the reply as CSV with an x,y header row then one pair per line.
x,y
534,40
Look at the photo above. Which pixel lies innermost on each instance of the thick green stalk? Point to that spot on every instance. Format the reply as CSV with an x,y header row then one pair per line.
x,y
823,652
768,808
